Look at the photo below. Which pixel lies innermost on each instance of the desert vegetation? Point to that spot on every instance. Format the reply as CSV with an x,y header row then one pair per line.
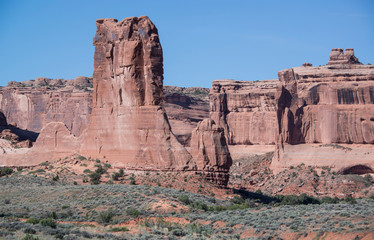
x,y
38,206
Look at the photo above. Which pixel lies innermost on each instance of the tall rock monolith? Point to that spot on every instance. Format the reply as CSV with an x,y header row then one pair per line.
x,y
128,124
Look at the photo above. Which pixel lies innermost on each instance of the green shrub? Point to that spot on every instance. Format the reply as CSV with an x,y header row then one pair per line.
x,y
30,237
19,169
105,217
132,212
100,170
33,221
56,178
350,200
119,229
184,199
48,222
5,171
107,165
86,170
116,176
29,230
95,178
80,157
237,200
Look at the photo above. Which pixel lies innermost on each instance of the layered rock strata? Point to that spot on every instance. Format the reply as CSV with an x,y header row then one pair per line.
x,y
128,125
185,107
33,104
332,104
210,151
246,110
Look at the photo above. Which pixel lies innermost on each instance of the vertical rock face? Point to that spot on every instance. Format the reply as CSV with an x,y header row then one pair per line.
x,y
35,103
245,109
332,104
210,151
128,124
185,107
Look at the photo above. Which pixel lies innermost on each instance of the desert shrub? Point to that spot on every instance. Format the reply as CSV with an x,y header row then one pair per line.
x,y
116,176
121,173
95,178
184,199
100,170
119,229
48,222
350,200
33,221
237,200
5,171
56,178
199,205
86,170
132,212
29,230
80,157
329,200
30,237
297,200
105,217
107,165
19,169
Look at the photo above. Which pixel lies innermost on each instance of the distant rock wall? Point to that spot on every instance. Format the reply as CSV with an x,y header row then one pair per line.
x,y
245,109
33,104
326,105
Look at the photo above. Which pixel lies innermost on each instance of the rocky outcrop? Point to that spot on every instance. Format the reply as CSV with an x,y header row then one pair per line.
x,y
56,139
210,151
35,103
185,107
338,56
331,104
246,110
128,125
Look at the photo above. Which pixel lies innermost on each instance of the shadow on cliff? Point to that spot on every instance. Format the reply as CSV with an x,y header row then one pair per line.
x,y
21,133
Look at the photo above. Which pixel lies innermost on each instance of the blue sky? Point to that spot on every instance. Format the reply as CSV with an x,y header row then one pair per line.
x,y
202,40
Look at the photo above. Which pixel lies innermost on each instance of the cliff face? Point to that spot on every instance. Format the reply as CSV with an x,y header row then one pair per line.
x,y
185,107
128,125
245,109
332,104
33,104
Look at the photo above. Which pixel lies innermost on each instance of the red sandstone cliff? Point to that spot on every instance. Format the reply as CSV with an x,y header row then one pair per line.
x,y
33,104
332,104
245,109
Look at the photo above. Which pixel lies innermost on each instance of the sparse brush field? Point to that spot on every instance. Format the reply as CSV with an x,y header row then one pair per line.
x,y
36,207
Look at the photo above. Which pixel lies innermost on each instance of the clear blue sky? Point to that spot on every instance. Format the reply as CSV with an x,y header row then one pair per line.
x,y
202,40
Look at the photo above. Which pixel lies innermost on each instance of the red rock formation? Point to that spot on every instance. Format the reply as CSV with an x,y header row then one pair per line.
x,y
56,139
128,124
245,109
210,151
338,56
332,104
185,107
35,103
